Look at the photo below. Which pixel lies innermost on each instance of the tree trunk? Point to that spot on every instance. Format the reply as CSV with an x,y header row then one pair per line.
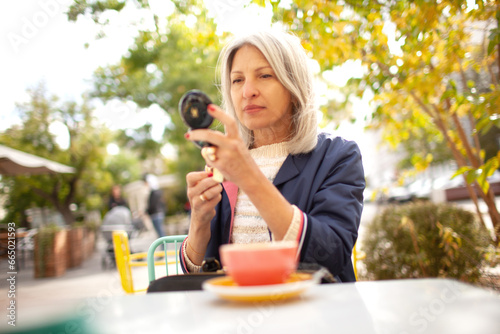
x,y
62,208
489,199
67,214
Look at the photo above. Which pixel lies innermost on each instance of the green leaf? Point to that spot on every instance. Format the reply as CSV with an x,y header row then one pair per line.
x,y
486,171
494,38
461,171
483,183
471,176
484,125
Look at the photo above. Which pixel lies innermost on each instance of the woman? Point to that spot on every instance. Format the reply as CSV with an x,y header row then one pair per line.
x,y
283,181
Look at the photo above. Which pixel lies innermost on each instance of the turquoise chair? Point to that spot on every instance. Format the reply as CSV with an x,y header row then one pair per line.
x,y
171,239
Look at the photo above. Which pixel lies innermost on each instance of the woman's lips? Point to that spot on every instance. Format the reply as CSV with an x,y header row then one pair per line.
x,y
252,108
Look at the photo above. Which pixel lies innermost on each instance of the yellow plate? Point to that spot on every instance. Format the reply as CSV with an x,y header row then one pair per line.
x,y
226,288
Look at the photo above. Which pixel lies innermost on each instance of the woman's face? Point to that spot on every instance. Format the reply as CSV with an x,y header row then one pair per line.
x,y
261,102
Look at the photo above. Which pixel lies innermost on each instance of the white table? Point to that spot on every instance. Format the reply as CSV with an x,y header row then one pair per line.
x,y
401,307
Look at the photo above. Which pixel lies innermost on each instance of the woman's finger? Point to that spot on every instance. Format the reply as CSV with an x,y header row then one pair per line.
x,y
193,178
195,188
213,137
230,126
211,193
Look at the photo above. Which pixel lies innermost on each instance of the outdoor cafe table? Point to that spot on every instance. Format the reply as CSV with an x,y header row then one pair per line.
x,y
439,306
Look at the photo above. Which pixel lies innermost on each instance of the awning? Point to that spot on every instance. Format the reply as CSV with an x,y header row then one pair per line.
x,y
15,162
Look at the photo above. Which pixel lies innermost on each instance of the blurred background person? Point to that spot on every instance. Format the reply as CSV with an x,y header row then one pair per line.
x,y
115,198
155,205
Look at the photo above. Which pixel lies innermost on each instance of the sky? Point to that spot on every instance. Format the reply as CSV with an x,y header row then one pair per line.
x,y
39,44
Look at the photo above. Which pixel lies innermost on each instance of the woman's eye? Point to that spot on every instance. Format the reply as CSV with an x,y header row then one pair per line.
x,y
236,81
266,75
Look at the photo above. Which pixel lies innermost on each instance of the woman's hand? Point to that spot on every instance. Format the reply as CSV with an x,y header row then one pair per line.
x,y
203,193
229,154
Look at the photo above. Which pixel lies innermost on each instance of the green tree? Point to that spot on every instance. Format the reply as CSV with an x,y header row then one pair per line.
x,y
86,153
159,68
440,76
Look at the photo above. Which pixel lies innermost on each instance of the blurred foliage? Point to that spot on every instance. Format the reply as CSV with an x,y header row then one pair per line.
x,y
159,68
434,68
95,171
422,239
94,8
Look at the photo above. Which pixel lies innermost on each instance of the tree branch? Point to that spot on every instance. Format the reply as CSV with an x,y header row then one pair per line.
x,y
472,123
45,195
465,141
498,46
442,127
459,158
475,137
488,66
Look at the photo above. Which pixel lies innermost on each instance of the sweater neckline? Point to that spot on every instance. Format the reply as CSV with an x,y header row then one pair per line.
x,y
270,151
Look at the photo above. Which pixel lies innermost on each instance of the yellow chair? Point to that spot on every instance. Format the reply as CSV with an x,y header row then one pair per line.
x,y
125,261
356,257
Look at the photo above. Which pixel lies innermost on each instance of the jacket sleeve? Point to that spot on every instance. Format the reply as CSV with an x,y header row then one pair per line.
x,y
332,217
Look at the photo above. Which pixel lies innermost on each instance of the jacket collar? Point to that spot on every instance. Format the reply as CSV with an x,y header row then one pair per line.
x,y
293,165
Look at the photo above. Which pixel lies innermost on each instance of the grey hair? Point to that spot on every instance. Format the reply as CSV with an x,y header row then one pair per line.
x,y
289,62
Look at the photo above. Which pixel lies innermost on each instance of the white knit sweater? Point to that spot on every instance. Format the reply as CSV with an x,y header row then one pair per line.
x,y
248,226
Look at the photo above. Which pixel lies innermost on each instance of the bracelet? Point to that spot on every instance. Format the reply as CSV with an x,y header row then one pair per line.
x,y
187,241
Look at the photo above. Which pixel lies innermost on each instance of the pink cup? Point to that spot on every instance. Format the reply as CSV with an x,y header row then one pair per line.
x,y
259,263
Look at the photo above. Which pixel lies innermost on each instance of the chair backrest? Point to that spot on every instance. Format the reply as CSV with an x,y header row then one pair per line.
x,y
122,256
171,239
27,242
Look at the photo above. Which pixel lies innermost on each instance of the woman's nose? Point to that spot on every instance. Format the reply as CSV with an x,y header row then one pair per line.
x,y
250,89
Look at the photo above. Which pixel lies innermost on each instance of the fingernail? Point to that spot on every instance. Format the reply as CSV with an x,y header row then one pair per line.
x,y
211,107
210,174
186,135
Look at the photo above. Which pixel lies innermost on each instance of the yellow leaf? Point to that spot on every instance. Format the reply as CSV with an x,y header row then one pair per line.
x,y
373,16
337,10
429,158
462,110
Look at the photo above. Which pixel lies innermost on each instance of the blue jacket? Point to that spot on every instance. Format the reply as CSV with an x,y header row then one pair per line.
x,y
327,185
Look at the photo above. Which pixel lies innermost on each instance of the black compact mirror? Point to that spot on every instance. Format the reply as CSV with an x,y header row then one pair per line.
x,y
193,109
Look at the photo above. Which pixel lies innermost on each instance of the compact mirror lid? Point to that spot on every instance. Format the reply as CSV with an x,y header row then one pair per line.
x,y
193,109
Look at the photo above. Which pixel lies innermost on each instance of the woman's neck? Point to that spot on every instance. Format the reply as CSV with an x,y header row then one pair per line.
x,y
260,140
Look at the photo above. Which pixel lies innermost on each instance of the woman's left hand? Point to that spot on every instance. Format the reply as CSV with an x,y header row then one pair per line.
x,y
229,154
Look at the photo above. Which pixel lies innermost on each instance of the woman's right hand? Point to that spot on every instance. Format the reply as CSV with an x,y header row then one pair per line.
x,y
203,193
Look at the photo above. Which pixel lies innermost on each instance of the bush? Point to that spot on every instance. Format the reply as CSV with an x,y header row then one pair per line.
x,y
418,240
